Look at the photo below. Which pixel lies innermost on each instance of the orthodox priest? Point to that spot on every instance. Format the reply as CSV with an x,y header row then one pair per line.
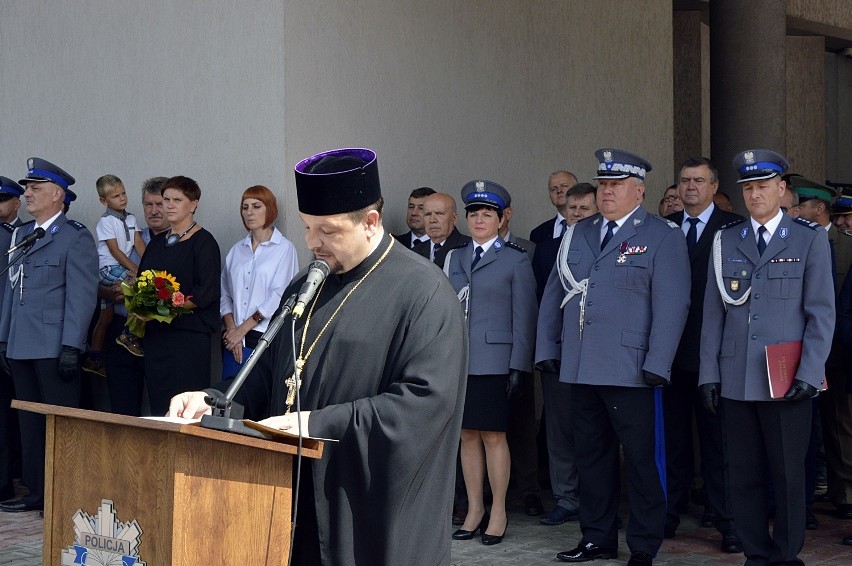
x,y
383,353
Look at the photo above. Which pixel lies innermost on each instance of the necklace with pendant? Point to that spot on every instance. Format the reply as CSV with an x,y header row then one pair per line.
x,y
295,380
173,239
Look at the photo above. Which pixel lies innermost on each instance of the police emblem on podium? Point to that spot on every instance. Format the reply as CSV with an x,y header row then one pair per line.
x,y
103,540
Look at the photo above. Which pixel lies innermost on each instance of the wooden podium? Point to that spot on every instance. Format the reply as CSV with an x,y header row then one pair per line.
x,y
197,496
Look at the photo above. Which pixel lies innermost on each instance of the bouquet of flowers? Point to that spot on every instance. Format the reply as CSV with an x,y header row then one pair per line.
x,y
154,295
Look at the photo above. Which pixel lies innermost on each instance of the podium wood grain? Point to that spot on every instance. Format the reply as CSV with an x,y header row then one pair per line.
x,y
200,496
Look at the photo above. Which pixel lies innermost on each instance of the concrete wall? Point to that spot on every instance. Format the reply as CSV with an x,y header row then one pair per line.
x,y
838,118
234,94
805,79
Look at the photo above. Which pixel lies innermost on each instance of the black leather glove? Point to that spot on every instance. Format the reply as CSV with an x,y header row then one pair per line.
x,y
4,362
799,391
653,379
513,384
69,363
549,366
710,396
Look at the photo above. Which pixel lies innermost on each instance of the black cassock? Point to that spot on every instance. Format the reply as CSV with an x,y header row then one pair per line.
x,y
387,380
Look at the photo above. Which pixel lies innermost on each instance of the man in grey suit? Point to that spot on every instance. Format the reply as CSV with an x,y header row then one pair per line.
x,y
769,282
558,185
613,311
697,183
440,215
48,303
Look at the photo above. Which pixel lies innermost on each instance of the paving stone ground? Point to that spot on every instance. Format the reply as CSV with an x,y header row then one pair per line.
x,y
527,542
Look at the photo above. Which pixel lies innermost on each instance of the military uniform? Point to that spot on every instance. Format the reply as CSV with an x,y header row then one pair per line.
x,y
50,294
611,315
753,300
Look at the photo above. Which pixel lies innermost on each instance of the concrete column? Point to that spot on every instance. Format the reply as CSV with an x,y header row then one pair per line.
x,y
806,106
747,82
687,103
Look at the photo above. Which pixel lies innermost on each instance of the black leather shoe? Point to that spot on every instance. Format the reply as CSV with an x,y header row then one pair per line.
x,y
669,532
533,506
462,534
731,542
18,507
640,559
847,541
844,511
489,540
811,522
559,515
585,552
459,516
709,518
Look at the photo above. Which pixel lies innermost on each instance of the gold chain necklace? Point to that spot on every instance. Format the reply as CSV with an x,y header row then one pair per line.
x,y
295,380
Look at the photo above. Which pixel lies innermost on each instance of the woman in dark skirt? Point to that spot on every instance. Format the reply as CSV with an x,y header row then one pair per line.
x,y
177,355
496,287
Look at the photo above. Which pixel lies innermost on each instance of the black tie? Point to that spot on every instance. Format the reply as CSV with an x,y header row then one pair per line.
x,y
761,243
610,226
563,226
477,256
435,249
692,234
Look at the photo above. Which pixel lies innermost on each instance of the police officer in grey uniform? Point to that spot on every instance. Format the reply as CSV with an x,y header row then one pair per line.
x,y
48,302
496,288
613,311
10,444
769,281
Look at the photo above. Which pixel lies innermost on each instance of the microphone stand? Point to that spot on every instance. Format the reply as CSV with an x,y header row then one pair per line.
x,y
12,261
221,417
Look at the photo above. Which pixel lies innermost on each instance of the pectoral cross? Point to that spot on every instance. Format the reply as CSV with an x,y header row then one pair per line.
x,y
293,382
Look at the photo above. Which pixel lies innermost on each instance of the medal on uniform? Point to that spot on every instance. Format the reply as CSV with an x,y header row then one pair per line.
x,y
621,255
735,285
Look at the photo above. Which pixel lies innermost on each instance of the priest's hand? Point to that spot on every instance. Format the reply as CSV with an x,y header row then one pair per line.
x,y
799,391
653,379
710,396
189,405
548,366
289,423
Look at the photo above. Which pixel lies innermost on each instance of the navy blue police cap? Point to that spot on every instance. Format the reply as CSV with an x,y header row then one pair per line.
x,y
40,171
759,164
337,181
488,193
619,164
9,188
843,202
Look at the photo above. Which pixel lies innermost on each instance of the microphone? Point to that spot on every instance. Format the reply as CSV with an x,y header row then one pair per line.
x,y
29,240
316,275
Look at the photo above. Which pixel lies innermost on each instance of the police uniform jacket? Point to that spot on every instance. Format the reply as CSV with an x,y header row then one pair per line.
x,y
501,308
636,303
60,281
791,299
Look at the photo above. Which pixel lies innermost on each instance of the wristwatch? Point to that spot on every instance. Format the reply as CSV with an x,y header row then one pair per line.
x,y
257,317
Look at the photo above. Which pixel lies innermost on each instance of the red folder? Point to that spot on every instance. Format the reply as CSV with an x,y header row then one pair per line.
x,y
782,363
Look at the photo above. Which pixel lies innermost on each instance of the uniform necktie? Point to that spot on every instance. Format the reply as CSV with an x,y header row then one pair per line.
x,y
610,226
563,225
477,256
761,243
692,234
435,249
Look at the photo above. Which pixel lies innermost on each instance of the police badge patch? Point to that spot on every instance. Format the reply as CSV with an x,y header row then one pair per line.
x,y
102,540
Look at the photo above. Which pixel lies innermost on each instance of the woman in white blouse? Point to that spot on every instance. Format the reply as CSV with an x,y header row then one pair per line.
x,y
256,272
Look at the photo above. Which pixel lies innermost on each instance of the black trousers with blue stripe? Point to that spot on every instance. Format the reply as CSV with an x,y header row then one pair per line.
x,y
604,418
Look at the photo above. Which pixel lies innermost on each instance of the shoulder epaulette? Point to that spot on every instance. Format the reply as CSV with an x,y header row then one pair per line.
x,y
8,227
732,223
671,223
514,246
76,224
808,223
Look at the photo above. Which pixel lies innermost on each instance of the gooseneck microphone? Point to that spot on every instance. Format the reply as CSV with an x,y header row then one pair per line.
x,y
317,273
28,240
